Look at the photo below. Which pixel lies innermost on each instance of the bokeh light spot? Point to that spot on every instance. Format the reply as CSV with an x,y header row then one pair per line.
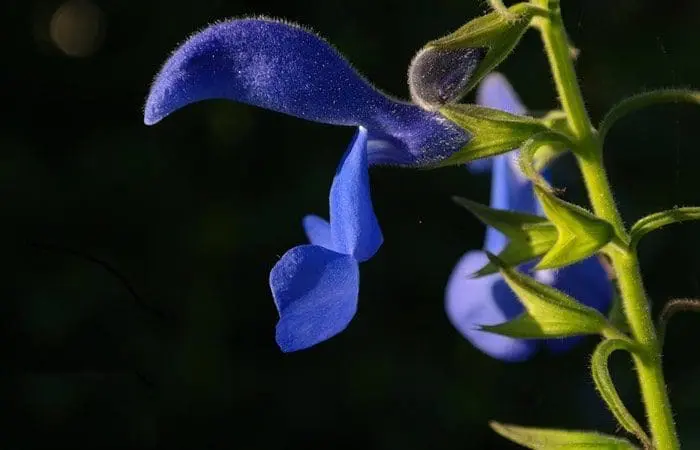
x,y
77,28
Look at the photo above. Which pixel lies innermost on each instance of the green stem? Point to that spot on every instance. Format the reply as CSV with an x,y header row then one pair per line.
x,y
589,156
558,51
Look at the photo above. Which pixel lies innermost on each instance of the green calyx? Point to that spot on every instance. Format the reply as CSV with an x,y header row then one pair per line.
x,y
529,236
493,131
549,313
580,233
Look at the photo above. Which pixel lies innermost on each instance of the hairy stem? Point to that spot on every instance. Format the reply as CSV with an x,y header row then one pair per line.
x,y
589,155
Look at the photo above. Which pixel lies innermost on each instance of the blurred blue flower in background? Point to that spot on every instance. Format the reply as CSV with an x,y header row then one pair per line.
x,y
285,68
471,302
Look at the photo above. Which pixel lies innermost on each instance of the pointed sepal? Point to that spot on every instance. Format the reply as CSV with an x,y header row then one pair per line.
x,y
548,312
493,131
529,236
581,233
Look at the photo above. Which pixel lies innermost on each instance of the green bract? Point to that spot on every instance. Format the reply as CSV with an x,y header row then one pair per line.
x,y
548,311
529,236
550,439
581,234
493,131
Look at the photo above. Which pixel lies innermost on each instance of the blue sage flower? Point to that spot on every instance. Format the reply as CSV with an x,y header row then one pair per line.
x,y
285,68
471,302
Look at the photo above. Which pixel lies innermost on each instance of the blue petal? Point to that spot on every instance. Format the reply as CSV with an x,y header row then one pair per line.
x,y
282,67
354,226
495,92
318,231
510,190
480,165
587,282
471,302
315,290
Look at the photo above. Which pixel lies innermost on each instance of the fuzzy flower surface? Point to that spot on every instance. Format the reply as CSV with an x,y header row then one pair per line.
x,y
285,68
473,302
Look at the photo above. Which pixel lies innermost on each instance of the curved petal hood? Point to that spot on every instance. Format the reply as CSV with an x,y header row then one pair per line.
x,y
285,68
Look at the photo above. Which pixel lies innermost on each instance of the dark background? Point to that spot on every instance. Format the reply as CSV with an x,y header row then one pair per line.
x,y
134,304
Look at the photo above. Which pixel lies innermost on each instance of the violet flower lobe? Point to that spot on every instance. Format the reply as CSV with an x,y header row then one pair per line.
x,y
315,286
285,68
472,302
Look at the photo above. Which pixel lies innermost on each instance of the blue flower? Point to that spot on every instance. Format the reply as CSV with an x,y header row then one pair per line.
x,y
471,302
285,68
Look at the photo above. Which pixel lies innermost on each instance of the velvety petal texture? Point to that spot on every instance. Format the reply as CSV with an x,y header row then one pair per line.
x,y
472,302
286,68
315,290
